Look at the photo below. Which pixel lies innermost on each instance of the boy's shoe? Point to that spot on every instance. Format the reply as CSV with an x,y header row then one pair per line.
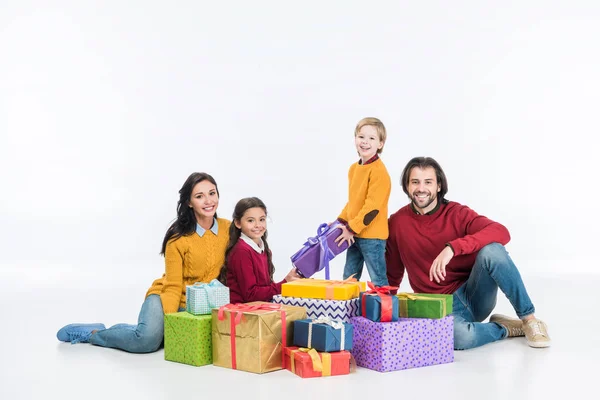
x,y
78,333
536,333
514,326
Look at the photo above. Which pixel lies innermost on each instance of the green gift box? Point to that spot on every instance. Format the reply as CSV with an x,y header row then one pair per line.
x,y
420,305
188,338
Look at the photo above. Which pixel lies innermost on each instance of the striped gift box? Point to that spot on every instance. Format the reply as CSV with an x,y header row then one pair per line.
x,y
341,310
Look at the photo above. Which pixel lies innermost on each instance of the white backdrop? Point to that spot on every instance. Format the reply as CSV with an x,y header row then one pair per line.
x,y
107,107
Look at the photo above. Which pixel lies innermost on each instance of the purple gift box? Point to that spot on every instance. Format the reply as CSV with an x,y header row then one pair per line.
x,y
316,253
406,343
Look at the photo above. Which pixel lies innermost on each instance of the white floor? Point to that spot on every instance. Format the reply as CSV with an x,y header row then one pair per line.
x,y
35,365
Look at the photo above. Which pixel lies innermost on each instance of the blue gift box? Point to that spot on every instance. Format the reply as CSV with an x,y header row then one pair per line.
x,y
323,334
370,307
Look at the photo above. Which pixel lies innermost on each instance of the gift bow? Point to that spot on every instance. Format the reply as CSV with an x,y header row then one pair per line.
x,y
386,300
326,320
325,254
239,309
209,289
411,296
329,289
323,366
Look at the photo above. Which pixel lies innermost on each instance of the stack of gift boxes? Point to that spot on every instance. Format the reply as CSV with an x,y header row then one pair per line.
x,y
315,327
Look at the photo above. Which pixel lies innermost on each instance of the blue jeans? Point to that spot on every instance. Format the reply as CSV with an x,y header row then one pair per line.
x,y
476,298
372,253
145,337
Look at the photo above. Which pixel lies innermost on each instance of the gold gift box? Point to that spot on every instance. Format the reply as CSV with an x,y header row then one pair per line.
x,y
258,341
323,289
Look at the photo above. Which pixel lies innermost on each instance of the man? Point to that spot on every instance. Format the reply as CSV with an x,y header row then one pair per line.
x,y
446,247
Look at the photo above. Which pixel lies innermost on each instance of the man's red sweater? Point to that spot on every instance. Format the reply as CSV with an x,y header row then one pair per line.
x,y
248,275
416,240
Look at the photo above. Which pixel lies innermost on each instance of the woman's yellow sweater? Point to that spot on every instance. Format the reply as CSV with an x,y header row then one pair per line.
x,y
190,259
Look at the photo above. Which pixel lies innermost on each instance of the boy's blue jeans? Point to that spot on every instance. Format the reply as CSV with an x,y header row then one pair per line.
x,y
372,253
476,298
145,337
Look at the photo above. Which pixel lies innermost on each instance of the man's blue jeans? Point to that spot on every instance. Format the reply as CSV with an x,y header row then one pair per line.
x,y
145,337
372,253
476,298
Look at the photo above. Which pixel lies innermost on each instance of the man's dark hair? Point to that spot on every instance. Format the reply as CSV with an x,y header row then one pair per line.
x,y
425,162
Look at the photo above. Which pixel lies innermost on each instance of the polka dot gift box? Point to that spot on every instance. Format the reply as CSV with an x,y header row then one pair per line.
x,y
406,343
188,338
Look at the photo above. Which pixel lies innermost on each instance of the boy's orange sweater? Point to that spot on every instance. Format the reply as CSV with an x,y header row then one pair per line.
x,y
190,259
369,189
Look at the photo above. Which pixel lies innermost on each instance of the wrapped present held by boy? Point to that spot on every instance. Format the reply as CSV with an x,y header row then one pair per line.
x,y
317,251
406,343
252,337
378,304
340,310
323,334
420,305
323,289
201,298
188,338
308,363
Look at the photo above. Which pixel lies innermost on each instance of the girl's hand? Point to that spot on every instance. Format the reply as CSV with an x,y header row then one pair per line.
x,y
292,275
346,236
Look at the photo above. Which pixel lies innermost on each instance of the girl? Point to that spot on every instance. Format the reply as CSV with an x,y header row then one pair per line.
x,y
194,249
248,268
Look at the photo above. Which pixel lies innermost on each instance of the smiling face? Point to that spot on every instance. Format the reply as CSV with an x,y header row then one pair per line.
x,y
204,200
253,223
423,189
367,142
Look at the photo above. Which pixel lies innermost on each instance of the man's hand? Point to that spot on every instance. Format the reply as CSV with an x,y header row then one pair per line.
x,y
346,236
438,268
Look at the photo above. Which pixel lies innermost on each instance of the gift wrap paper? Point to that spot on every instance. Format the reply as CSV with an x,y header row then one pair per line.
x,y
301,363
188,338
323,289
323,337
406,343
424,305
341,310
257,338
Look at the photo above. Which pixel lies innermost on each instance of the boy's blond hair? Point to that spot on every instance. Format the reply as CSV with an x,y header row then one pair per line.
x,y
378,126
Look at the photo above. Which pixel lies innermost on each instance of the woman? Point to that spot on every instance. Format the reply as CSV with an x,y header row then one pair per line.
x,y
194,250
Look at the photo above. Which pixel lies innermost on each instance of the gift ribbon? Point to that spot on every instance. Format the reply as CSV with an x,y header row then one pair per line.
x,y
325,254
325,320
240,309
329,289
209,289
383,292
404,297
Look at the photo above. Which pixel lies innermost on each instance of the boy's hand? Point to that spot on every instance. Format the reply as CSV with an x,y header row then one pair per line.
x,y
346,236
292,275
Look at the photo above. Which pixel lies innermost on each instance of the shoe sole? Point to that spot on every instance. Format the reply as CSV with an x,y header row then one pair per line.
x,y
539,345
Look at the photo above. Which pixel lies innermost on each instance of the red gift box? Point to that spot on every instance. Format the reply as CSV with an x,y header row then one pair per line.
x,y
309,363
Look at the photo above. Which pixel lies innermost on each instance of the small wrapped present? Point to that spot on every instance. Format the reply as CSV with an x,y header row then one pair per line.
x,y
323,289
340,310
188,338
406,343
323,334
308,363
251,337
378,304
201,298
420,305
317,251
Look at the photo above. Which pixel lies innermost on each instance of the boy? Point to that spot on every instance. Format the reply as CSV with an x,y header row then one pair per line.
x,y
364,218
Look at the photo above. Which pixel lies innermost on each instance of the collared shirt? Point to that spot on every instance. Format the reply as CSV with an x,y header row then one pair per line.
x,y
412,205
258,248
370,160
214,228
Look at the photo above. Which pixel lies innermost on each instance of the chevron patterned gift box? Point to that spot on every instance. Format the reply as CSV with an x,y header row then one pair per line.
x,y
341,310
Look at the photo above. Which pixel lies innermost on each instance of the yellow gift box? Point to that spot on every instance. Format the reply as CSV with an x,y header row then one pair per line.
x,y
252,337
322,289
